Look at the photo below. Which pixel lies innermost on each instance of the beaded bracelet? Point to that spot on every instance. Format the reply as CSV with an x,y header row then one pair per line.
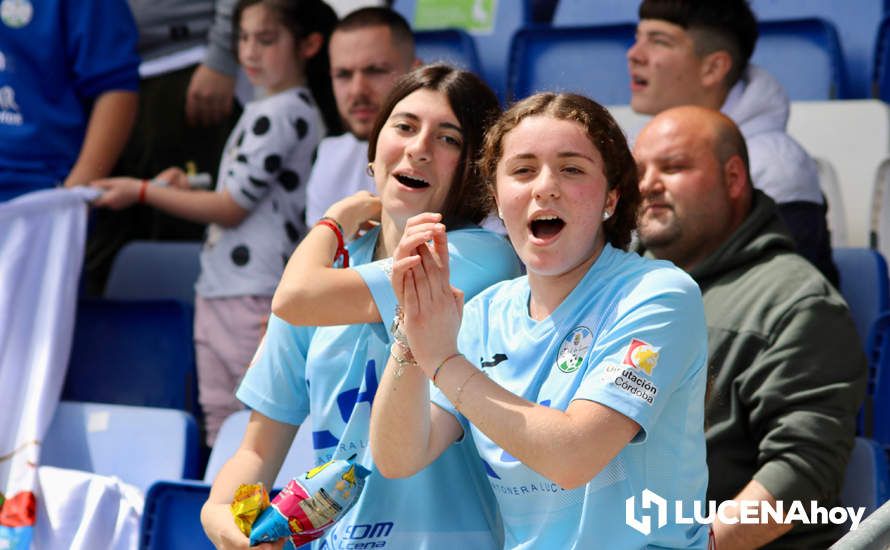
x,y
404,359
334,226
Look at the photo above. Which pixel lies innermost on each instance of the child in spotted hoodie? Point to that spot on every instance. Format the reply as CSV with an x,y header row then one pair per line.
x,y
256,214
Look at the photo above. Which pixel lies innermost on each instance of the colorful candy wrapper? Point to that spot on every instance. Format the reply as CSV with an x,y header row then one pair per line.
x,y
311,503
249,502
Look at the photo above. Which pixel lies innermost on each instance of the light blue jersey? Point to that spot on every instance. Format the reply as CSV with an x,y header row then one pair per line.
x,y
332,373
630,336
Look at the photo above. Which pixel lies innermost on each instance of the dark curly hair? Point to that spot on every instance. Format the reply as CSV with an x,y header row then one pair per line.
x,y
475,106
604,133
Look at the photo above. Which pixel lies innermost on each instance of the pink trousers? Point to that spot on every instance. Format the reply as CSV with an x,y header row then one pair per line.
x,y
227,333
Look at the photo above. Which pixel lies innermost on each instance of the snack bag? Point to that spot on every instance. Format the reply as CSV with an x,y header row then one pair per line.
x,y
311,503
248,504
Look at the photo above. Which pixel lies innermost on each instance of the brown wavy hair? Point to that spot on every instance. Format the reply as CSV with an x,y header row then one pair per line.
x,y
475,106
620,168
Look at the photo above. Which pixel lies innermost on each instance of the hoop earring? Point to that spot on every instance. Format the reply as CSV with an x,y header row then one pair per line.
x,y
370,169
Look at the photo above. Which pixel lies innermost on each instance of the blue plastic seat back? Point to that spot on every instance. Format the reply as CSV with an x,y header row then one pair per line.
x,y
452,46
150,270
172,515
299,459
881,70
856,23
866,480
139,445
864,285
805,56
587,60
492,46
133,353
171,519
879,378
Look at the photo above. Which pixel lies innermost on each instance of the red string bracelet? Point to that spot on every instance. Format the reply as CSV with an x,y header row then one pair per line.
x,y
338,231
142,191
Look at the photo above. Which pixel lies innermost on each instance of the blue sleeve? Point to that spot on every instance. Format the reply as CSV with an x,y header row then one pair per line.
x,y
101,47
656,342
479,258
275,383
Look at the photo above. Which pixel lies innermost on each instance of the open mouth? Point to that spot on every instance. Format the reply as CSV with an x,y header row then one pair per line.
x,y
413,183
546,227
638,81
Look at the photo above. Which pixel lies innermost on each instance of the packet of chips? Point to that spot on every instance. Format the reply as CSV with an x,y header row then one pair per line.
x,y
310,503
249,502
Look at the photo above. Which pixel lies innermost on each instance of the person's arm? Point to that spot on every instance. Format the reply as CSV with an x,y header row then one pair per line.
x,y
258,459
739,536
405,440
195,205
211,91
802,393
108,129
312,291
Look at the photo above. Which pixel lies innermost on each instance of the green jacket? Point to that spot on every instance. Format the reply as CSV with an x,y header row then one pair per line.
x,y
786,370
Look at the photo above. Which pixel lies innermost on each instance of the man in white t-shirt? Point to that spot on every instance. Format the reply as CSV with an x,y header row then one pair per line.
x,y
369,50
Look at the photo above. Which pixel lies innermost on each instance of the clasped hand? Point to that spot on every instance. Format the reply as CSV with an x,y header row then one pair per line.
x,y
420,277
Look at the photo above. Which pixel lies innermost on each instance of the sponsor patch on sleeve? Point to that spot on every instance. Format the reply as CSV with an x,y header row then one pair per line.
x,y
632,375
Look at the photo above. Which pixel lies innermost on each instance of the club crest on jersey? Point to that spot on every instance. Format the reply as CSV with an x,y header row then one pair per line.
x,y
641,355
574,349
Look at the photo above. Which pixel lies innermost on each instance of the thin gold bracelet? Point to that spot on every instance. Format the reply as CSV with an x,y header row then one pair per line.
x,y
460,389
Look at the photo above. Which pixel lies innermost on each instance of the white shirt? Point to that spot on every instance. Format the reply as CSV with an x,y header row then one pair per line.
x,y
340,170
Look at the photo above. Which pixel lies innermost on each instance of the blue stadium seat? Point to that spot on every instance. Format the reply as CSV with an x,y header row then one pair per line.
x,y
139,445
452,46
879,378
857,25
133,353
171,518
866,481
493,47
864,285
587,60
155,270
805,56
881,70
570,13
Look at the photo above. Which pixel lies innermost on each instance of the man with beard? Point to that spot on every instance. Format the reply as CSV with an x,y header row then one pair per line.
x,y
786,372
369,50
